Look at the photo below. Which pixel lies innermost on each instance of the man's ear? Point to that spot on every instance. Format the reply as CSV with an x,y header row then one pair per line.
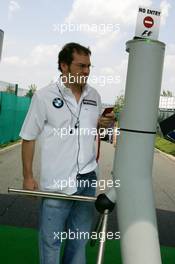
x,y
64,67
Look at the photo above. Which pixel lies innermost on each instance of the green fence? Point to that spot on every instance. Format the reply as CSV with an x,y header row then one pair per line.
x,y
13,110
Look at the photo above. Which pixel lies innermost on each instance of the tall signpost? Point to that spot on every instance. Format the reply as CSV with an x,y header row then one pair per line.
x,y
133,159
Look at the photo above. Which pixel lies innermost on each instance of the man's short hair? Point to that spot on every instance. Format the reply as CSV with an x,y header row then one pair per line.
x,y
66,54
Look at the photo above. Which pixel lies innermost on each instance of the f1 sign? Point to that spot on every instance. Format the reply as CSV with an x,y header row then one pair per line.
x,y
148,23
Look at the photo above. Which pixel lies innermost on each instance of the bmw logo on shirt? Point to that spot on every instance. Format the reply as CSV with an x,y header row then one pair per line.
x,y
57,102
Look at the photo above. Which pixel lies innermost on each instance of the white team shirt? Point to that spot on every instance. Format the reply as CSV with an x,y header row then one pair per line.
x,y
65,150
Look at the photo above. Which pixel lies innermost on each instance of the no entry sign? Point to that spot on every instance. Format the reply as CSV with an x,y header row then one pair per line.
x,y
148,23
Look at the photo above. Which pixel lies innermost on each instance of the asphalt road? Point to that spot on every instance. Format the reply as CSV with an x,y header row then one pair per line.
x,y
11,168
21,211
163,173
163,176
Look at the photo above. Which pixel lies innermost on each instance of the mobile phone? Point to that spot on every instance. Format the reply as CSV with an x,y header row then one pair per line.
x,y
107,110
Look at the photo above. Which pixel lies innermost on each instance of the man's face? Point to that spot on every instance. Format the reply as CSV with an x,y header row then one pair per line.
x,y
78,71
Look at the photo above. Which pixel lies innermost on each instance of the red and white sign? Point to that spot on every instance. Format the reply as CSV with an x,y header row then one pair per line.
x,y
148,23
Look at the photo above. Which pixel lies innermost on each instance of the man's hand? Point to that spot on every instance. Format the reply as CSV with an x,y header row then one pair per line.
x,y
103,202
107,120
30,184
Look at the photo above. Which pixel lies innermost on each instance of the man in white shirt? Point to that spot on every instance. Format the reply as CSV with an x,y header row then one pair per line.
x,y
63,117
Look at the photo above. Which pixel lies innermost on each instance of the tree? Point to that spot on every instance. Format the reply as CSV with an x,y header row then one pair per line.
x,y
10,89
119,103
167,93
31,91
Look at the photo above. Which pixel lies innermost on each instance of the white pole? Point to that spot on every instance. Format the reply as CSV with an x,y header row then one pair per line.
x,y
133,159
1,41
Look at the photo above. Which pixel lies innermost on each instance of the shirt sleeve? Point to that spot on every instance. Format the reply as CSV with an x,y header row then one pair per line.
x,y
35,119
112,195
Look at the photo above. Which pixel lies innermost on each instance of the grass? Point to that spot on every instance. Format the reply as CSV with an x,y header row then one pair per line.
x,y
165,145
20,246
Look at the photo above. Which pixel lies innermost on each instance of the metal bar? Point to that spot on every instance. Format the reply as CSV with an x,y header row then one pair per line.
x,y
71,197
102,242
97,229
52,195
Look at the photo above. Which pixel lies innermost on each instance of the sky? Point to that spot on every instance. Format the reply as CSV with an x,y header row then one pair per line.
x,y
36,30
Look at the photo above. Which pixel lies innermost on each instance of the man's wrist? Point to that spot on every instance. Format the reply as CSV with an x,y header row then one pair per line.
x,y
27,176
